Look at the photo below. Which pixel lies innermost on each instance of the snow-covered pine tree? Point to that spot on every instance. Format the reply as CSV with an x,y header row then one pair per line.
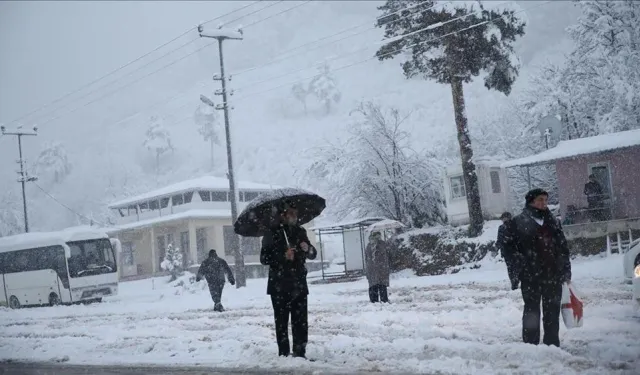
x,y
453,53
157,139
206,118
172,262
324,88
376,173
53,162
597,89
300,93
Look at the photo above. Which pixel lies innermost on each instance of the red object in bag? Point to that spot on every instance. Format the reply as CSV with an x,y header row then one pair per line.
x,y
572,307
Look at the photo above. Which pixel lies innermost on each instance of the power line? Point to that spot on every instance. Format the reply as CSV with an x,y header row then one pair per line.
x,y
390,53
277,14
65,206
254,12
337,57
287,52
127,75
125,65
129,84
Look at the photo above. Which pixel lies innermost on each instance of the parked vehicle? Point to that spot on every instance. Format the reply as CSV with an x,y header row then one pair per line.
x,y
631,264
70,266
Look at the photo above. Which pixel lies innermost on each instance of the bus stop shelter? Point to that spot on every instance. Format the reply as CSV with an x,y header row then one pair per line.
x,y
354,242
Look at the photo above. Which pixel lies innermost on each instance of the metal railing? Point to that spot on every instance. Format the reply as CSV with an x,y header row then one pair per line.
x,y
599,208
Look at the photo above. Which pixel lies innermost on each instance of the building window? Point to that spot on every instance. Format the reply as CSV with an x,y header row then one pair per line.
x,y
164,202
219,196
132,210
154,205
457,187
170,239
127,254
144,206
250,195
161,247
201,243
188,197
177,200
495,182
184,246
205,196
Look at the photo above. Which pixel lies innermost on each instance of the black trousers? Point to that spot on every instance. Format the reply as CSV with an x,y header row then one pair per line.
x,y
216,292
549,292
285,305
378,293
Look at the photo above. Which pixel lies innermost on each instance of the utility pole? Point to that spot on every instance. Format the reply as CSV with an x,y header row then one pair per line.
x,y
24,177
220,35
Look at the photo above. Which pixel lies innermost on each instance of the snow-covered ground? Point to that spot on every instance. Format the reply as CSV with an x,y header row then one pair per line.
x,y
466,323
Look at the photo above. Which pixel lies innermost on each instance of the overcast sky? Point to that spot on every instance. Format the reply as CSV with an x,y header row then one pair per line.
x,y
50,48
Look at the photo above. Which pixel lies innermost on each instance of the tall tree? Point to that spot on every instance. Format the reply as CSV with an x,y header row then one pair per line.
x,y
325,88
206,119
157,139
452,43
300,93
53,161
376,173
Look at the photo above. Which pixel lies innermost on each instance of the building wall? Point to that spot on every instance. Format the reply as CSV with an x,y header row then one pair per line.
x,y
144,241
625,180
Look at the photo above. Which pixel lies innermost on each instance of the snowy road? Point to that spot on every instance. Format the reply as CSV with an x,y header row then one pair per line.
x,y
452,324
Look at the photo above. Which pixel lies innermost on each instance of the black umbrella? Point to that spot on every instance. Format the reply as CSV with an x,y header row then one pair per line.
x,y
262,212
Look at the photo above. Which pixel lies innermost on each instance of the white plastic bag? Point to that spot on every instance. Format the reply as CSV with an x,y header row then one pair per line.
x,y
571,307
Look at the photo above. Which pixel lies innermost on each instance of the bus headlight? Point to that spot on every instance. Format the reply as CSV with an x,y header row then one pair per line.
x,y
636,271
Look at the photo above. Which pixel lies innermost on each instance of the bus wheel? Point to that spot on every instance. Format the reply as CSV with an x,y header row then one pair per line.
x,y
54,300
14,303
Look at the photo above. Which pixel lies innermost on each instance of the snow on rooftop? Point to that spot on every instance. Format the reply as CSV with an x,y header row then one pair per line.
x,y
202,183
366,221
190,214
37,239
581,146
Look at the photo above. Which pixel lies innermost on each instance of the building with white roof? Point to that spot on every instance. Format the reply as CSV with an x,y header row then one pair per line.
x,y
193,215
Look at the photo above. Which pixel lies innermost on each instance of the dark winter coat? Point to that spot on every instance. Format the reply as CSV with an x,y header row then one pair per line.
x,y
376,256
213,270
594,193
286,276
540,252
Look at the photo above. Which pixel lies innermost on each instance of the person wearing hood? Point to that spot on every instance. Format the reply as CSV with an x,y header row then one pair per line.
x,y
285,249
213,269
377,268
541,265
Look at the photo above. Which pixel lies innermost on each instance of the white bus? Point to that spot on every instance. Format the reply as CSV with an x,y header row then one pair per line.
x,y
73,265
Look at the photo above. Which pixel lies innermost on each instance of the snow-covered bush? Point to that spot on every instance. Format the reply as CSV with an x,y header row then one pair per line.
x,y
172,262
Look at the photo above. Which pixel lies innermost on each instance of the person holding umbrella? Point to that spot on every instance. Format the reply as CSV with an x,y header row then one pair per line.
x,y
278,217
285,249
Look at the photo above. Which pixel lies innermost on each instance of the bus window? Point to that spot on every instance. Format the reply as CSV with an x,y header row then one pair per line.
x,y
90,258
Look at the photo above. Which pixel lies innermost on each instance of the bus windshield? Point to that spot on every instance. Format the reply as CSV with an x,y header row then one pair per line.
x,y
92,257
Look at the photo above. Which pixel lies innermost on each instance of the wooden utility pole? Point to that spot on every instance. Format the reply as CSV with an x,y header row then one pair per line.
x,y
220,35
24,177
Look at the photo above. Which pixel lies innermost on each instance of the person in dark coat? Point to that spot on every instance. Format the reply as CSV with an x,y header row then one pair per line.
x,y
285,249
542,264
213,269
595,197
377,268
505,250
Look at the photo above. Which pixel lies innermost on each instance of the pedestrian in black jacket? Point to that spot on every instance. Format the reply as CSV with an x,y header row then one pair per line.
x,y
541,264
213,270
502,243
285,249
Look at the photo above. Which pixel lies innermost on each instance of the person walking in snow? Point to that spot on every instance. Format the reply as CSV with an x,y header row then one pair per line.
x,y
213,269
285,249
541,265
377,268
503,245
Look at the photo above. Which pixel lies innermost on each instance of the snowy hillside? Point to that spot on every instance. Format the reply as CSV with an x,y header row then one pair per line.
x,y
104,142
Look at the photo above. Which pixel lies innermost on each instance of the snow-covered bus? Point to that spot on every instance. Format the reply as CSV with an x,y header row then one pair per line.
x,y
70,266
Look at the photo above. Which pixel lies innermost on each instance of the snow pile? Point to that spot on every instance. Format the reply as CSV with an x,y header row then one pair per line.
x,y
186,283
467,323
446,249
